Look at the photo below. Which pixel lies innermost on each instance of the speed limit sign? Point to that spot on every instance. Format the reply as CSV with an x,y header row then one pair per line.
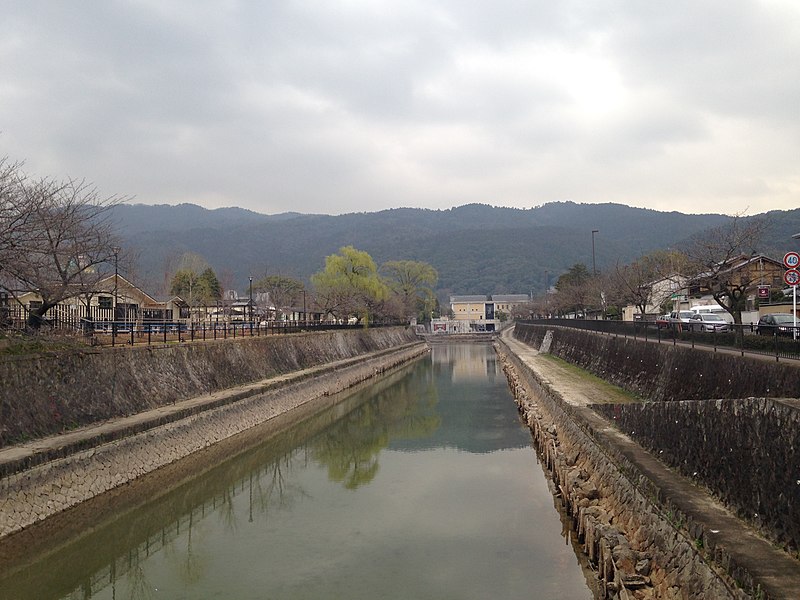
x,y
791,277
791,260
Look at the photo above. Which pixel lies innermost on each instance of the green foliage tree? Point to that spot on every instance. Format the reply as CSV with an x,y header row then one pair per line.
x,y
350,285
573,290
412,283
198,288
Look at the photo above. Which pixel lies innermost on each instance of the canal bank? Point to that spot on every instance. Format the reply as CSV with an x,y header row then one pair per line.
x,y
650,532
51,474
422,484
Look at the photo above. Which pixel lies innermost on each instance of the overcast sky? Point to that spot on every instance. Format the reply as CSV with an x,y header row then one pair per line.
x,y
334,106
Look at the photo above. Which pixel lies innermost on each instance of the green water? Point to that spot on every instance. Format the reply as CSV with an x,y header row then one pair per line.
x,y
422,487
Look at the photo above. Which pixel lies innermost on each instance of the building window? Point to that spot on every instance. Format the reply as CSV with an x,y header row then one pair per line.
x,y
105,302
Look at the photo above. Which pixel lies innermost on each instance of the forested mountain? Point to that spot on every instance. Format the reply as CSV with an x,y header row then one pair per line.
x,y
476,248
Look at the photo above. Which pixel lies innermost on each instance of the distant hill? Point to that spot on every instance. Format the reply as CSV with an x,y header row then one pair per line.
x,y
476,248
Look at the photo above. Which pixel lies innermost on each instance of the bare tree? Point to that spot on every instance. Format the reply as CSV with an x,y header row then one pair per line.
x,y
650,280
56,239
718,259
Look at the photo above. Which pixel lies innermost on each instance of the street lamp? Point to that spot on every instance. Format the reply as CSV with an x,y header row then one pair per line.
x,y
594,265
115,250
250,303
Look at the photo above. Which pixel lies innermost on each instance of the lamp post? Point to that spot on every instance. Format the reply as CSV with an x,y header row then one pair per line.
x,y
250,303
594,265
116,250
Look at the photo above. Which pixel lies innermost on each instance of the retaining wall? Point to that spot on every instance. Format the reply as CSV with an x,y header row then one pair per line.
x,y
634,537
31,495
747,452
666,372
51,393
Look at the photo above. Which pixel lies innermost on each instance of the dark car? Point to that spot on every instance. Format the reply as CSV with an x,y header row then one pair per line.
x,y
775,324
708,322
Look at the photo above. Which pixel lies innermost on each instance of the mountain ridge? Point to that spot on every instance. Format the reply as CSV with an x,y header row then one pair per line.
x,y
476,248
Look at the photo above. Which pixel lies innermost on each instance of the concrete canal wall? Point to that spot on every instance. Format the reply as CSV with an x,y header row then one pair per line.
x,y
633,535
663,371
43,478
711,420
55,392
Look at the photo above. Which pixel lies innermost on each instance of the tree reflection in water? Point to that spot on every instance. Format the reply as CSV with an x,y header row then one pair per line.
x,y
350,448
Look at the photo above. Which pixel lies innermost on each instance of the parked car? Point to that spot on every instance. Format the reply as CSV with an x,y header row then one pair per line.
x,y
681,319
708,322
775,324
662,321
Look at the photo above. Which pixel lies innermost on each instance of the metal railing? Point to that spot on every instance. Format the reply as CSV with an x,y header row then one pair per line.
x,y
780,342
120,333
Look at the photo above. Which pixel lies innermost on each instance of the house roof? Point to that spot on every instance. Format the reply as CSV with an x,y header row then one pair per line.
x,y
474,298
511,298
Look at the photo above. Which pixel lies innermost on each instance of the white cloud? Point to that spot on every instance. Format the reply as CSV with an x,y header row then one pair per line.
x,y
353,105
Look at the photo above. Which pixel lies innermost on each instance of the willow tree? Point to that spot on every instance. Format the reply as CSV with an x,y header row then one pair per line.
x,y
349,285
412,283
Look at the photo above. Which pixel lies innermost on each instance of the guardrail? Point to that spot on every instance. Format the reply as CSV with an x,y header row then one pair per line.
x,y
781,342
113,333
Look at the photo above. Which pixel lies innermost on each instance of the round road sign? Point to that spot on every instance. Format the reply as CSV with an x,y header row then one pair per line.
x,y
791,260
791,277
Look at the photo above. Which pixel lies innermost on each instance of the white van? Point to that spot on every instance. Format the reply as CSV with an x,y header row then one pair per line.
x,y
714,309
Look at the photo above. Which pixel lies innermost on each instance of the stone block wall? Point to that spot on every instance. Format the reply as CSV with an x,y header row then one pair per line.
x,y
633,535
31,495
50,393
747,452
666,372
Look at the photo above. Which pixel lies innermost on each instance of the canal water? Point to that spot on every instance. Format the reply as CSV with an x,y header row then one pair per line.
x,y
424,486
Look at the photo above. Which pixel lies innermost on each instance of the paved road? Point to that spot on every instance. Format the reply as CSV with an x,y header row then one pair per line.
x,y
778,573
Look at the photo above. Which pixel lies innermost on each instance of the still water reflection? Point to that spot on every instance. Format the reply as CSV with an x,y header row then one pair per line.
x,y
424,486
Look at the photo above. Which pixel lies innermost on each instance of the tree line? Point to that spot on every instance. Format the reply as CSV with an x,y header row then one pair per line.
x,y
56,240
705,263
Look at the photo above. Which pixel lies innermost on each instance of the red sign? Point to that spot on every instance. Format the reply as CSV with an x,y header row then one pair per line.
x,y
791,260
791,277
763,292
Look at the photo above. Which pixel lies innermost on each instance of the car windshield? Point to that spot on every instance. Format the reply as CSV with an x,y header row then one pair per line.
x,y
685,314
712,318
788,319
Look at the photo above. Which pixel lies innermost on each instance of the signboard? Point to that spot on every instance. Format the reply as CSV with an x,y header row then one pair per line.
x,y
791,277
763,292
791,260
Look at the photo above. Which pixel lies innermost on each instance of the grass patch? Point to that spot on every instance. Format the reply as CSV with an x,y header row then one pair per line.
x,y
28,345
614,393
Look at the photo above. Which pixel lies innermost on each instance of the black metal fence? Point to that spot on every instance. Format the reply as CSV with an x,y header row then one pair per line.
x,y
780,342
101,329
124,333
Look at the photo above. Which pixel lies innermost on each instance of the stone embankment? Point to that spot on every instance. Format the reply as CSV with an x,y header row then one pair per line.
x,y
298,374
51,393
729,422
649,532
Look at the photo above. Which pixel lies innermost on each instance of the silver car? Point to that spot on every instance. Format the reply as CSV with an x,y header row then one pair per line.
x,y
708,322
681,319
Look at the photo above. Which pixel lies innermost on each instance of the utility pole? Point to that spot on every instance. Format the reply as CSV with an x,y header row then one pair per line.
x,y
594,265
